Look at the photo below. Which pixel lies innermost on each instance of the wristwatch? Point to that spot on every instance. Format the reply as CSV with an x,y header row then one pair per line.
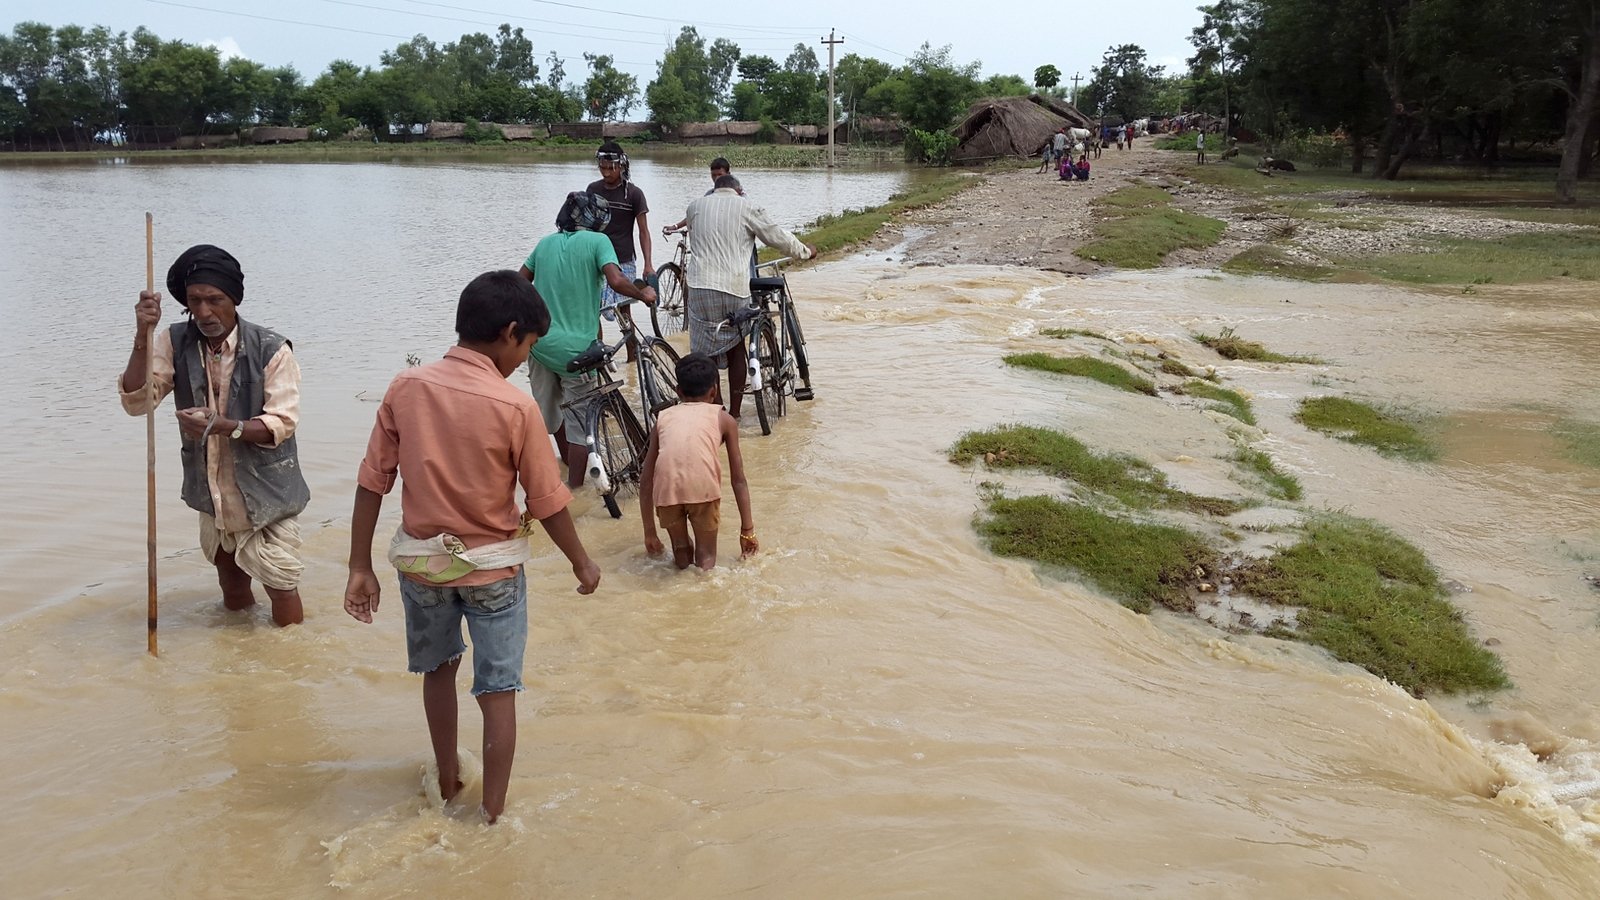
x,y
238,430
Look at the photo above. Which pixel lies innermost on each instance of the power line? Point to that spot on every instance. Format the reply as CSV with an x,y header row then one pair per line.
x,y
676,21
229,12
861,40
407,12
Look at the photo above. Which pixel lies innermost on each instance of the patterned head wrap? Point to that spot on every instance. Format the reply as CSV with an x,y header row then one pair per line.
x,y
583,210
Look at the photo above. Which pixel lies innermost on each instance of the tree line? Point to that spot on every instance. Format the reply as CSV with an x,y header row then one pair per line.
x,y
1401,79
75,88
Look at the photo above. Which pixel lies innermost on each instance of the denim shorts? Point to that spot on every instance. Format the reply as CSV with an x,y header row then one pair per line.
x,y
609,299
497,619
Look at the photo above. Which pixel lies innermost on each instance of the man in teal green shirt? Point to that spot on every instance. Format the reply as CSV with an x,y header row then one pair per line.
x,y
566,268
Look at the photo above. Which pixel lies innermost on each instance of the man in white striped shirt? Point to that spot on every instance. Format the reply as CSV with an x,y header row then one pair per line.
x,y
724,226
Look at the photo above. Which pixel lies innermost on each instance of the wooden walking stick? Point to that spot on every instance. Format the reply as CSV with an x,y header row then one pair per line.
x,y
150,440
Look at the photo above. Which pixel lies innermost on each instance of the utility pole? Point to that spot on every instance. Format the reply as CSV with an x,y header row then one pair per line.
x,y
830,41
1075,79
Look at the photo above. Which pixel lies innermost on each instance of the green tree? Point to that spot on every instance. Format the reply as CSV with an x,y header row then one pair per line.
x,y
608,93
1004,86
1220,42
936,90
1124,83
1047,76
691,79
855,77
795,93
170,84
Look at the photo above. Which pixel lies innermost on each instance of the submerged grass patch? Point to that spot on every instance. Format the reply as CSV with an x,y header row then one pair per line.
x,y
1232,403
1230,346
1358,423
1279,484
1130,481
1372,599
1581,439
1264,259
1138,564
1138,227
1084,367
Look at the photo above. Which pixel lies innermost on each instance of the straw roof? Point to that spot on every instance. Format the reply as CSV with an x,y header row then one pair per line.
x,y
1012,126
267,134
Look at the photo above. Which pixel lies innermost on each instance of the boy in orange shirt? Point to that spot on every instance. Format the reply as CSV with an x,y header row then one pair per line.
x,y
682,477
461,438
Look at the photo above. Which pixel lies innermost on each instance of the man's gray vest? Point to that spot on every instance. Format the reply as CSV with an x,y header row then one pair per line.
x,y
268,477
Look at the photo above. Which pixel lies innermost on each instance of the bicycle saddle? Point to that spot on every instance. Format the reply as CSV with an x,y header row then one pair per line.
x,y
743,315
589,359
766,284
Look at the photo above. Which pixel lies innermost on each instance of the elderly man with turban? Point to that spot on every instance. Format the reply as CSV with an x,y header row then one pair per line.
x,y
237,389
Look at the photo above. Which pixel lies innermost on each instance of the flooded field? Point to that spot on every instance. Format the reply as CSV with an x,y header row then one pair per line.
x,y
873,706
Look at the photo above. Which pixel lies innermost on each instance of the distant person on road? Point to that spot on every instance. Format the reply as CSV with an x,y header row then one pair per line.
x,y
237,389
1200,146
1081,170
682,479
567,267
725,228
460,440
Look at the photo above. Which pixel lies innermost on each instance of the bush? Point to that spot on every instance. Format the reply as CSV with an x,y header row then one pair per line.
x,y
930,147
1321,150
476,132
767,133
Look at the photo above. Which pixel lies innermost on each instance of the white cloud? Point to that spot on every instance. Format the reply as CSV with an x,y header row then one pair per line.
x,y
228,47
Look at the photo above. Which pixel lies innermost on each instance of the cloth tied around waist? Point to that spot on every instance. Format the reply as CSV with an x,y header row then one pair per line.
x,y
444,558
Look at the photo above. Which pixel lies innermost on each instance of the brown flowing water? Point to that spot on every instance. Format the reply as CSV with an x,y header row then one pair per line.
x,y
873,706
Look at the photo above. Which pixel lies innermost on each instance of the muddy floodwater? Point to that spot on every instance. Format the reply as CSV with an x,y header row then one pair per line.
x,y
875,705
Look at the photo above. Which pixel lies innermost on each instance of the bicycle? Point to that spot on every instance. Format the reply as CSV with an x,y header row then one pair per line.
x,y
616,436
670,314
776,354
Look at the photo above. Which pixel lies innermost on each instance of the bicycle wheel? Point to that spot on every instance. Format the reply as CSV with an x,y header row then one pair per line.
x,y
671,312
660,389
769,398
619,441
797,346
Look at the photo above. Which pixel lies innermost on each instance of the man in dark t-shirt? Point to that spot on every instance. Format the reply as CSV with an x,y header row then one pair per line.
x,y
628,210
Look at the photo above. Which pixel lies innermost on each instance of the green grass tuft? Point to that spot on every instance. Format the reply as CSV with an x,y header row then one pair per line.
x,y
1138,227
1279,484
1130,481
1230,346
1582,440
1064,333
1084,367
1231,402
1358,423
1175,367
852,227
1134,562
1372,599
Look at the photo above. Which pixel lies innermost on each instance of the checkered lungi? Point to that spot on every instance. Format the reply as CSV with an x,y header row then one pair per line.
x,y
707,310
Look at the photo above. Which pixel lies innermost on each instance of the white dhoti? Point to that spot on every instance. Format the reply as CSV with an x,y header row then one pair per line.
x,y
270,555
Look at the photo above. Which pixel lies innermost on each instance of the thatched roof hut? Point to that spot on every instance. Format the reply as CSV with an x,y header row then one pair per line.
x,y
268,134
1012,126
870,130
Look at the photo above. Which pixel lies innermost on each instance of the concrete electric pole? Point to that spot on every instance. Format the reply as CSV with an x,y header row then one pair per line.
x,y
830,41
1075,79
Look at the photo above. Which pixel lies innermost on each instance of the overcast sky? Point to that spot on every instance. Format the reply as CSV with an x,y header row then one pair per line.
x,y
1007,36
